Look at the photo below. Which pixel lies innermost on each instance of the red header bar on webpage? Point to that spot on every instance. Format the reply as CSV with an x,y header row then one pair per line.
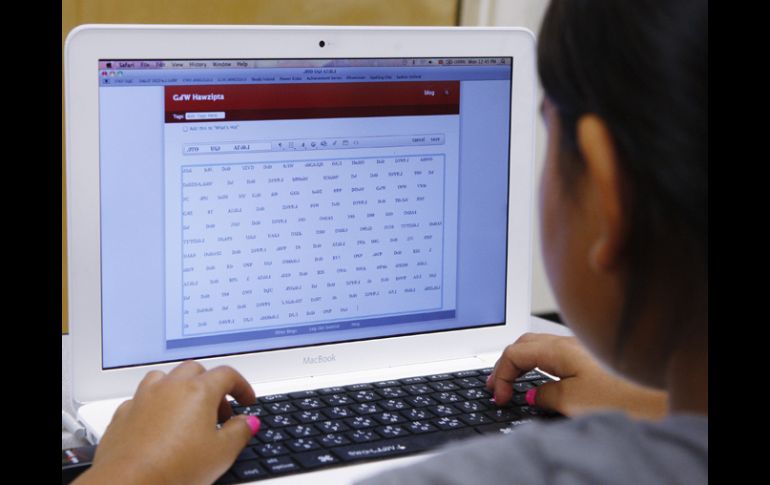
x,y
185,104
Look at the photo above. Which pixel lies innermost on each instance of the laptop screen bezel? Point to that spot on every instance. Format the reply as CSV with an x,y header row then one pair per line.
x,y
88,44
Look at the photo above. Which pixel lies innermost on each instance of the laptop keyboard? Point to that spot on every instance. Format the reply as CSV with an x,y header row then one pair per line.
x,y
308,430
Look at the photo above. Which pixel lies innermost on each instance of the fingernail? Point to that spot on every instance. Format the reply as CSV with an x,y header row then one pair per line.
x,y
530,396
489,379
253,424
494,398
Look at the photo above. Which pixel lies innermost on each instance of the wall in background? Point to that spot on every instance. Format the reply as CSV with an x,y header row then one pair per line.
x,y
265,12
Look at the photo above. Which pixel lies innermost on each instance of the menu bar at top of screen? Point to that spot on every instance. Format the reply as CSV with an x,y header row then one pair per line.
x,y
294,63
145,73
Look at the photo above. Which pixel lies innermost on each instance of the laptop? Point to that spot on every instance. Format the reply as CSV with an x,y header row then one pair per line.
x,y
313,206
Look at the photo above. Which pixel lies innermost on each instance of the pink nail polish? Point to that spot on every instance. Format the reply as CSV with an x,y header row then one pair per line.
x,y
253,424
530,396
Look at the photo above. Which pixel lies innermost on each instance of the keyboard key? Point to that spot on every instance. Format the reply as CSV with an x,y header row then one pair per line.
x,y
503,414
393,404
486,371
474,419
302,394
332,439
391,392
271,449
332,426
475,393
360,422
302,430
466,373
444,410
443,386
365,396
362,435
381,449
416,389
273,398
281,408
439,377
469,382
419,427
446,423
330,390
303,444
413,380
338,399
248,470
487,404
272,435
389,418
401,446
279,420
358,387
365,408
255,410
391,431
540,382
446,397
280,464
338,412
420,401
417,414
382,384
309,416
316,459
472,406
519,399
309,403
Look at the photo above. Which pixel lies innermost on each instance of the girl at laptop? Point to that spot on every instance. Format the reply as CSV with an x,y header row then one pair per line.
x,y
623,214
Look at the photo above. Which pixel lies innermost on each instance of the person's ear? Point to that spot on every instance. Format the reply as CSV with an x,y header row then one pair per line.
x,y
604,180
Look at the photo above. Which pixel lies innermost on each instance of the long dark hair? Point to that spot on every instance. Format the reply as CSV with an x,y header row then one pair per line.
x,y
642,66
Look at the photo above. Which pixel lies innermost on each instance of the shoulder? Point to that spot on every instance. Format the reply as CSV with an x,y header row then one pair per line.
x,y
599,448
614,429
610,447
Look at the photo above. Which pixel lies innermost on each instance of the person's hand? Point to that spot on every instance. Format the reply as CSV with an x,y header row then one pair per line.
x,y
167,433
584,386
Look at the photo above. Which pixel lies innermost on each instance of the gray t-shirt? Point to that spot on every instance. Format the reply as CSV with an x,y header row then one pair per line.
x,y
594,449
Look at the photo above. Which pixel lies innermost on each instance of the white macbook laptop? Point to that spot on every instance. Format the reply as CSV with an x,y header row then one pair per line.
x,y
315,207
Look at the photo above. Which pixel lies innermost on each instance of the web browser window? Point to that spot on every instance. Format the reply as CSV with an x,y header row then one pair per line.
x,y
255,205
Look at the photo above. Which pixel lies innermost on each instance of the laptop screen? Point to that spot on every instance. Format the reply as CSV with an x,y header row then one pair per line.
x,y
254,205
